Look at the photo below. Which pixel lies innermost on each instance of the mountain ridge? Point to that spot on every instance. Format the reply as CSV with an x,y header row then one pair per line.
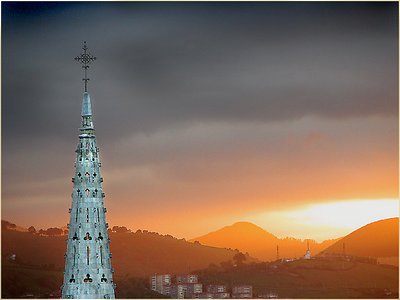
x,y
261,244
139,253
382,238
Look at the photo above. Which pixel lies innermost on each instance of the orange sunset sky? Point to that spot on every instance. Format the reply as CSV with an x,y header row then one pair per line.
x,y
282,115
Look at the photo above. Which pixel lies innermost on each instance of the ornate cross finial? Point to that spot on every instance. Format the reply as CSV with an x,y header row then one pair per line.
x,y
85,59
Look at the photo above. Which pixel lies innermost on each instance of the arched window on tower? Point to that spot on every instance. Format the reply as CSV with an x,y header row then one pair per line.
x,y
87,215
101,255
87,192
88,278
72,280
87,254
74,254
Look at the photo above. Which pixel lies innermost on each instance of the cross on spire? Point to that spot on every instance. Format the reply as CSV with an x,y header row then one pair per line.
x,y
85,59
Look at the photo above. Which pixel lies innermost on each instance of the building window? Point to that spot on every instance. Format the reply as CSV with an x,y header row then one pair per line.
x,y
101,255
72,280
87,237
87,254
87,278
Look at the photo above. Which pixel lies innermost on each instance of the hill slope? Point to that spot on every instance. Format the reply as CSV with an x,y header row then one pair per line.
x,y
377,239
258,242
137,254
318,278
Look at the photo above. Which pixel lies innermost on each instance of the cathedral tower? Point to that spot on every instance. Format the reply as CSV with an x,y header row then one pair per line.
x,y
88,271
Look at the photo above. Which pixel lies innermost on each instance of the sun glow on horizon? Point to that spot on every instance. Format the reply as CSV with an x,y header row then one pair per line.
x,y
327,220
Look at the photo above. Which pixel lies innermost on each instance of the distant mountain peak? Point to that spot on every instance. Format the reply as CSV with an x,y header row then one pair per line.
x,y
245,223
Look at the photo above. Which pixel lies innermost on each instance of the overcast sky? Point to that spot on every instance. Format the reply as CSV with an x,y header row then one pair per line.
x,y
205,113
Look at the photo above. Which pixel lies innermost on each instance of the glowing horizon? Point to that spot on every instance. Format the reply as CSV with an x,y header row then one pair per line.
x,y
329,220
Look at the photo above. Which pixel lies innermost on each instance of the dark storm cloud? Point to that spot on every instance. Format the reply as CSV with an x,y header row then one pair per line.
x,y
163,64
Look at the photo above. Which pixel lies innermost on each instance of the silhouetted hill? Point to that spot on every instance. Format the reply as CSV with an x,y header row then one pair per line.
x,y
377,239
318,278
259,243
137,254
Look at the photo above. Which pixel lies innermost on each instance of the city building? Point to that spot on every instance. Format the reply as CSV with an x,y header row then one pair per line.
x,y
268,295
186,290
213,296
214,292
216,288
161,283
188,278
88,271
242,291
188,287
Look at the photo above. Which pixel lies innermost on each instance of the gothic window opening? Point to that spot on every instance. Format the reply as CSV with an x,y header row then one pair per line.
x,y
98,216
78,191
94,174
100,236
101,255
76,216
87,192
87,215
72,280
75,237
87,278
103,278
74,255
87,237
79,174
87,254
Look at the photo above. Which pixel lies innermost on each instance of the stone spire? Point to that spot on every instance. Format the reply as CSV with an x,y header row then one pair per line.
x,y
88,271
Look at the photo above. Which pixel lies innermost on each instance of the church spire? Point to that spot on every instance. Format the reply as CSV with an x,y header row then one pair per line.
x,y
88,271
